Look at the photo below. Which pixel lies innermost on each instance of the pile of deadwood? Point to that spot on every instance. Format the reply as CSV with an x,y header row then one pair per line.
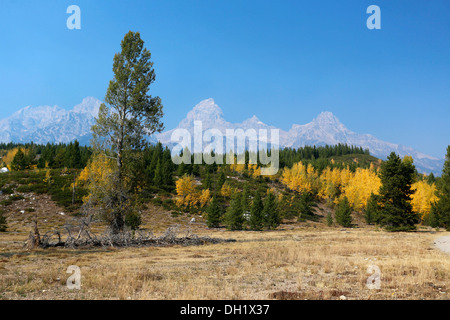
x,y
80,236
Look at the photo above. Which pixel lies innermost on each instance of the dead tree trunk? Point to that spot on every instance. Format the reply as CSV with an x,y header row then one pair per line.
x,y
34,239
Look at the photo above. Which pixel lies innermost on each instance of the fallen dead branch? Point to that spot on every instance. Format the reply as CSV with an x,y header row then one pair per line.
x,y
84,238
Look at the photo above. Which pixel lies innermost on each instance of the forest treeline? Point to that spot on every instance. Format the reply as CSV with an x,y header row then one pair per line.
x,y
72,155
227,193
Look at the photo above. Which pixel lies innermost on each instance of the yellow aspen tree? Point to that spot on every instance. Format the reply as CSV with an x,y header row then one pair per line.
x,y
254,171
186,191
9,157
423,197
205,197
226,190
361,185
297,178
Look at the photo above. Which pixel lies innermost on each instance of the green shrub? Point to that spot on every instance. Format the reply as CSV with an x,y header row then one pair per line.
x,y
9,189
3,225
6,202
24,188
16,197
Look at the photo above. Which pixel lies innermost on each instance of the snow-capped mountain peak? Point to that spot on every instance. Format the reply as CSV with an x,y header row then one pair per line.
x,y
208,112
44,124
89,105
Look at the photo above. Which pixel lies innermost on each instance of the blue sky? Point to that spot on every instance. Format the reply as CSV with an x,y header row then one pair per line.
x,y
284,61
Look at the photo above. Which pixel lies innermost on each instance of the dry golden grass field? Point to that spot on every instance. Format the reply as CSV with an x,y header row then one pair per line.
x,y
305,260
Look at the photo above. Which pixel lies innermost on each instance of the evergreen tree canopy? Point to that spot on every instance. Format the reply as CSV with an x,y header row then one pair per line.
x,y
270,211
440,210
343,213
256,221
397,176
214,214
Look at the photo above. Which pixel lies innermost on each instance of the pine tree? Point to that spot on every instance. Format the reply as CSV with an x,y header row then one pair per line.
x,y
441,208
19,162
167,174
343,213
207,183
3,224
234,217
158,178
431,178
270,211
256,221
329,219
397,177
196,169
221,180
128,116
433,219
245,199
371,210
76,156
68,156
214,214
181,170
306,205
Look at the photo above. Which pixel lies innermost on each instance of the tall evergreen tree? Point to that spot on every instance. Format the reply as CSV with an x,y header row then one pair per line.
x,y
167,174
270,211
76,156
158,177
20,161
440,210
256,221
234,216
128,116
196,169
130,113
329,219
371,210
68,156
246,199
306,204
343,213
181,170
221,180
207,183
395,211
214,214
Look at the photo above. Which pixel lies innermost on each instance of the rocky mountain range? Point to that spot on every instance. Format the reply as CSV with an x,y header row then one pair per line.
x,y
54,124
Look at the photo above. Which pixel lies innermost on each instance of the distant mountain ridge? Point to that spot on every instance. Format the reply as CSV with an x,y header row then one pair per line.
x,y
325,129
54,124
51,124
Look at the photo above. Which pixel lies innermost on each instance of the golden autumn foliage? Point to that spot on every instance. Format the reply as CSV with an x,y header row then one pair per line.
x,y
239,168
205,198
359,187
48,178
226,190
254,171
188,194
301,178
96,174
9,157
423,197
334,184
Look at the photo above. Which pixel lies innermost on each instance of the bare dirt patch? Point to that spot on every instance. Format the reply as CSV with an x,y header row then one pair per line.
x,y
443,244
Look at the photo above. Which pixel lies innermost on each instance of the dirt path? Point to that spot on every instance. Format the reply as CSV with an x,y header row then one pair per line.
x,y
443,244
